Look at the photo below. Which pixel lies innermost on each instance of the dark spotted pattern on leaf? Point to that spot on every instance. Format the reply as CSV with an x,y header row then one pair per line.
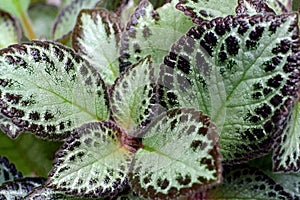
x,y
8,171
252,7
180,155
259,80
52,97
10,31
92,163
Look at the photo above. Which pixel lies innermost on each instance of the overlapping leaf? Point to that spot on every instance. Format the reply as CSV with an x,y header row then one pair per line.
x,y
180,155
8,171
152,32
96,37
201,10
132,96
253,7
66,18
49,90
257,60
92,163
280,6
16,7
10,31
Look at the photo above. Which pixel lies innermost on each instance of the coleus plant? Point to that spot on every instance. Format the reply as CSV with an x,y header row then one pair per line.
x,y
140,122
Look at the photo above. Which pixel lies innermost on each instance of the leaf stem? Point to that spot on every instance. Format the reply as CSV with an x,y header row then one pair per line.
x,y
27,27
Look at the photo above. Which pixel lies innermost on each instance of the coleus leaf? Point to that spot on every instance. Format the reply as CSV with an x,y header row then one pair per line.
x,y
40,84
92,163
8,171
180,155
205,10
66,18
96,37
253,7
286,155
132,97
257,60
143,35
10,30
18,189
247,183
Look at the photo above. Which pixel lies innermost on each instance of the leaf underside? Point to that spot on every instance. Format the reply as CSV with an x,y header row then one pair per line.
x,y
180,155
18,189
96,37
66,18
92,163
8,171
256,60
245,182
49,90
10,31
132,96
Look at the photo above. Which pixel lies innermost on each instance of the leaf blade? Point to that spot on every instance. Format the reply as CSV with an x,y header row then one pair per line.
x,y
8,171
10,31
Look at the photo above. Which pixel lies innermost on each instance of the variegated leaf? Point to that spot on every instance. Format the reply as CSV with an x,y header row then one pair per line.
x,y
247,183
180,155
286,155
152,32
132,97
49,90
257,60
253,7
280,6
96,37
10,31
18,189
66,19
92,163
8,171
205,10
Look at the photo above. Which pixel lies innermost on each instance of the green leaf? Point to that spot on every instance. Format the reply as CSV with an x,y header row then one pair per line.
x,y
18,189
10,31
29,154
132,96
247,183
66,18
92,163
96,37
286,155
251,7
8,171
205,10
15,7
257,60
49,90
151,32
180,155
280,6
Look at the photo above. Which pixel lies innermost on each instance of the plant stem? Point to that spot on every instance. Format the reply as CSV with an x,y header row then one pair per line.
x,y
27,27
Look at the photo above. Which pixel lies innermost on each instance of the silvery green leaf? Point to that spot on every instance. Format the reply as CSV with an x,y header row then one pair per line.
x,y
280,6
205,10
18,189
132,96
10,31
8,171
49,90
152,32
256,60
66,19
96,38
286,155
179,156
253,7
243,182
92,163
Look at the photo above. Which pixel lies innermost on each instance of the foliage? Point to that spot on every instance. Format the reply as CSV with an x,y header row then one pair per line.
x,y
182,99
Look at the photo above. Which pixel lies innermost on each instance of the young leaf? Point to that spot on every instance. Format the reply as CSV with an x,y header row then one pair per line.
x,y
247,183
205,10
143,35
132,96
96,37
257,60
18,189
92,163
253,7
8,171
49,90
286,155
10,31
66,18
180,155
